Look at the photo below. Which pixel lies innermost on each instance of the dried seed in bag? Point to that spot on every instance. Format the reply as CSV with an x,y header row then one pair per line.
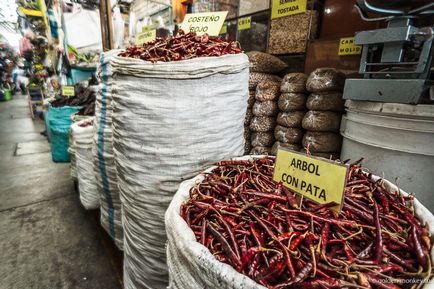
x,y
322,121
267,90
330,101
325,79
256,77
265,108
264,62
292,101
294,82
291,119
260,151
277,145
288,134
322,142
262,139
262,123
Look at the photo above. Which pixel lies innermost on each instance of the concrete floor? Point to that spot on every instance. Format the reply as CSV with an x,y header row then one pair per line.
x,y
47,240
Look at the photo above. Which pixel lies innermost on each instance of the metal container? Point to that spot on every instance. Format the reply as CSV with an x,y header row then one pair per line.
x,y
396,141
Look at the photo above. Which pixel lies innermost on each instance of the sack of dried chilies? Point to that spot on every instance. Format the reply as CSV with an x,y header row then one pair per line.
x,y
234,227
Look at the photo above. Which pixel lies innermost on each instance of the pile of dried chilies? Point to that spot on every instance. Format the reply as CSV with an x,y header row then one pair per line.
x,y
181,47
256,225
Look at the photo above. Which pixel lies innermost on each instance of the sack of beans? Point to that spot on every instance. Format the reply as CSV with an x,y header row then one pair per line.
x,y
288,134
257,77
329,156
267,90
104,160
265,108
159,108
290,119
203,251
325,79
251,100
247,142
322,142
262,139
294,82
248,118
277,145
82,133
322,121
330,101
290,101
264,62
262,123
260,150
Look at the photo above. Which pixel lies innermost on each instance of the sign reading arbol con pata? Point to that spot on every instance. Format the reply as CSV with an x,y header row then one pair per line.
x,y
319,180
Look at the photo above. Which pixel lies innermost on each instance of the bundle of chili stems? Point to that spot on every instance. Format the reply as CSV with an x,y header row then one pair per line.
x,y
181,47
259,228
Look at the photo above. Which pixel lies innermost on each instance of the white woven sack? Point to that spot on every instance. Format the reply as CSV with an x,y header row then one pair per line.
x,y
82,138
104,163
170,120
192,265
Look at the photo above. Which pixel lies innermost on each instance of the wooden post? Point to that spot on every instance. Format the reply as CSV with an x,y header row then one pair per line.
x,y
105,13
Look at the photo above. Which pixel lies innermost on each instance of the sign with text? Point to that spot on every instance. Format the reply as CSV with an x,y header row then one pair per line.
x,y
224,29
319,180
244,23
281,8
347,47
207,22
145,37
68,90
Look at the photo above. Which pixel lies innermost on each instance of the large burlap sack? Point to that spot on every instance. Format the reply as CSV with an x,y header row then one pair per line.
x,y
325,79
192,265
294,82
329,101
170,121
289,101
104,161
82,136
322,142
264,62
322,121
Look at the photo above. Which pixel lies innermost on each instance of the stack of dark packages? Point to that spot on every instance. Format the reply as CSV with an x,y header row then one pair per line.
x,y
264,90
326,106
84,97
292,108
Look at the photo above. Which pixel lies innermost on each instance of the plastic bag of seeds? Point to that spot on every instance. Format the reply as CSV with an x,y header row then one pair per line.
x,y
262,123
260,151
267,90
290,119
325,79
251,100
264,62
292,101
322,121
262,139
277,145
248,118
294,82
265,108
330,100
256,77
288,134
322,142
329,156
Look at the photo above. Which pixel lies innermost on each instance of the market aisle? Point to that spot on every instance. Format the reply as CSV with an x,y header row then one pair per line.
x,y
47,240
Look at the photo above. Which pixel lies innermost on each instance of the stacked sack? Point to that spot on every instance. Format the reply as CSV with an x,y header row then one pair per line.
x,y
264,89
292,107
104,160
82,136
323,119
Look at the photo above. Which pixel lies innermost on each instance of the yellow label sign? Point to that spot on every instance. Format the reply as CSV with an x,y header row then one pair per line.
x,y
207,22
244,23
347,47
39,66
145,37
68,90
319,180
224,29
282,8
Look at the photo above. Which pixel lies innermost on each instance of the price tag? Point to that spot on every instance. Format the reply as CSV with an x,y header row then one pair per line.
x,y
201,23
282,8
224,29
347,47
68,91
321,181
145,37
244,23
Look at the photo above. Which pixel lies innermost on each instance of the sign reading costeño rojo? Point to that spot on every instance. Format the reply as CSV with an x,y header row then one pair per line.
x,y
201,23
319,180
281,8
